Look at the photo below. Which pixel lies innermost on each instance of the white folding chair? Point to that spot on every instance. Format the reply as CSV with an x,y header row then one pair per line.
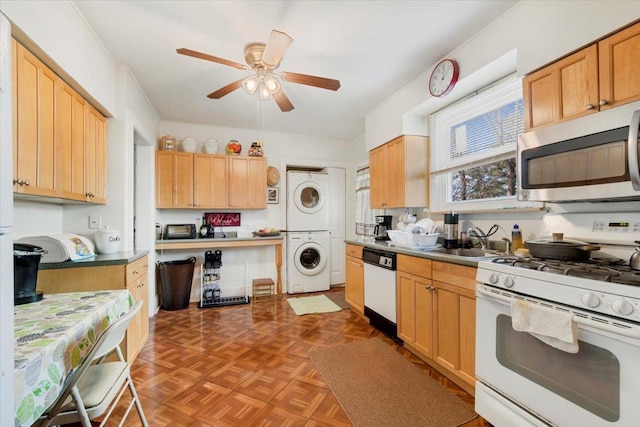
x,y
95,389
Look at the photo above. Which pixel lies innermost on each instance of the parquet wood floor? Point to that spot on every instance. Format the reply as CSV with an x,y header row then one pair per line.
x,y
247,365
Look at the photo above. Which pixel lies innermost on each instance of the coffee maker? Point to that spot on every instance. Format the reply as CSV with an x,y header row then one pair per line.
x,y
26,259
383,223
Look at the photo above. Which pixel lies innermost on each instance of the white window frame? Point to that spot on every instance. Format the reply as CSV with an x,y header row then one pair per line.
x,y
490,98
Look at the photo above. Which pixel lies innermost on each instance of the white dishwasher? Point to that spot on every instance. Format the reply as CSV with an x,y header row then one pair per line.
x,y
380,290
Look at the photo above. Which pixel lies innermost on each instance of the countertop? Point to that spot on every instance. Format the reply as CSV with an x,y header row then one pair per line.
x,y
117,258
220,239
388,246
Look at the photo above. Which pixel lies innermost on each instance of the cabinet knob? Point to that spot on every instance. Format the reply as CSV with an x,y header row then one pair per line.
x,y
17,181
590,106
27,182
603,102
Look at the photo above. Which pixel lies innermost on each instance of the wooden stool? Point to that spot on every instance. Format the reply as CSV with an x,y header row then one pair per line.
x,y
263,289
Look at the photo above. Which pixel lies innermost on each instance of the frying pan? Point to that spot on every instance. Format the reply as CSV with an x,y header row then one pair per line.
x,y
564,250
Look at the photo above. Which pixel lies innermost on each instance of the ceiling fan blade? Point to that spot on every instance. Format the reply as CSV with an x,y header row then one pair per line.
x,y
211,58
277,45
305,79
225,90
283,101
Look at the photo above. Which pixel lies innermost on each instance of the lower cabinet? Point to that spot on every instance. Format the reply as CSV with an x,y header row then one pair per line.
x,y
455,322
437,315
415,299
354,278
132,276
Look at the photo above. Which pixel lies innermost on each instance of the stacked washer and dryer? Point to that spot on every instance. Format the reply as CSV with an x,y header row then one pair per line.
x,y
308,238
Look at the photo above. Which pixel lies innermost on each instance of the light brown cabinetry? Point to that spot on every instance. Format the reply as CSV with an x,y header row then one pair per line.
x,y
600,76
132,276
354,278
210,181
187,180
399,173
81,132
455,320
247,182
34,142
60,141
174,179
415,299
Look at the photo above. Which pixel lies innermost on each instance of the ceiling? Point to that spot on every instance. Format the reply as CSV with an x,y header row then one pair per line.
x,y
374,48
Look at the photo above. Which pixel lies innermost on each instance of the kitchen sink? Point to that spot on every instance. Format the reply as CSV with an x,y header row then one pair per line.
x,y
467,253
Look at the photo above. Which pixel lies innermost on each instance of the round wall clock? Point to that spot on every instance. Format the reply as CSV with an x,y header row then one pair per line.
x,y
444,77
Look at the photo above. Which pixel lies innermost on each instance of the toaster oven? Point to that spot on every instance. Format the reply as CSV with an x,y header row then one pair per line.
x,y
180,231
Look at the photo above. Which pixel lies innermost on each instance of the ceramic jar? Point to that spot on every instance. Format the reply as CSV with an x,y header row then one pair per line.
x,y
256,149
189,145
211,146
233,147
107,240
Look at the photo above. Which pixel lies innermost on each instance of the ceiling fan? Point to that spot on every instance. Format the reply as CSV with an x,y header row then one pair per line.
x,y
263,60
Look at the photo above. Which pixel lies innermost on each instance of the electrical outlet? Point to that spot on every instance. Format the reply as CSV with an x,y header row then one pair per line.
x,y
95,221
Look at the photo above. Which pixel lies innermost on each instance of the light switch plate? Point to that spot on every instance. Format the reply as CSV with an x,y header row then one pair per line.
x,y
95,222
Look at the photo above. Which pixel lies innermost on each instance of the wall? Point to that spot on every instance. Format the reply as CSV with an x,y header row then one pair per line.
x,y
539,31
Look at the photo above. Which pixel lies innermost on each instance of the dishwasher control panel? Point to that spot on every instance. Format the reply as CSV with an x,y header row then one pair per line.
x,y
379,258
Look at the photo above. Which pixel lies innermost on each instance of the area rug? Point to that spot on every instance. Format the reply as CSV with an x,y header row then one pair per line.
x,y
376,386
312,305
338,298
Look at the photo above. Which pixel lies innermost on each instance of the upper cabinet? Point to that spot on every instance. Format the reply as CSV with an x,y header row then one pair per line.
x,y
59,140
81,132
187,180
247,182
600,76
174,179
34,142
399,173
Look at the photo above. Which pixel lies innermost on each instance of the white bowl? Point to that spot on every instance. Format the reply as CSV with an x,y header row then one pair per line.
x,y
411,239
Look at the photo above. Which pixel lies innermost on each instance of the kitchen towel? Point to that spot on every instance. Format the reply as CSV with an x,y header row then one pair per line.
x,y
553,327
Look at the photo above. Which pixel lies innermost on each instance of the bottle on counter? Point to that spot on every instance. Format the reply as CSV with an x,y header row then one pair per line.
x,y
204,230
516,238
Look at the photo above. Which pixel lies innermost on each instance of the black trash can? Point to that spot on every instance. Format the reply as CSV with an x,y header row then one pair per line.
x,y
175,283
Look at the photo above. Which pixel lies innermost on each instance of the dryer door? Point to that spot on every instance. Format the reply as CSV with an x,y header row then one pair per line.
x,y
310,259
309,197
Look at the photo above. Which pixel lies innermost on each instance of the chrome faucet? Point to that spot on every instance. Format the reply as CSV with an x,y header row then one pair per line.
x,y
480,235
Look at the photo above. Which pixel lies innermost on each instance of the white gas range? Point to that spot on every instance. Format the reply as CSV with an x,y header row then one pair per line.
x,y
523,381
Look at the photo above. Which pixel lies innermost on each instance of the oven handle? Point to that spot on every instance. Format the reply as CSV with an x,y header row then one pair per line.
x,y
631,333
632,149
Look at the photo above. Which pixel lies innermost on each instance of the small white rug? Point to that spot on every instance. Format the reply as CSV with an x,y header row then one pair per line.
x,y
312,305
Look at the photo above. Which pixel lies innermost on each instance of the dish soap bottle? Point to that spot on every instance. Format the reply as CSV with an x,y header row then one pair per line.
x,y
516,238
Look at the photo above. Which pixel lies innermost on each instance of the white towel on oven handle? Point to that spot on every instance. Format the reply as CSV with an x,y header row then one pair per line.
x,y
553,327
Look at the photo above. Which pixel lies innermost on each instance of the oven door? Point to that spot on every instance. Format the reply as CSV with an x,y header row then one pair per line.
x,y
596,386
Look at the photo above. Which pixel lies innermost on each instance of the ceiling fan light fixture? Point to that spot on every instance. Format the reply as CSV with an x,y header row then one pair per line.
x,y
264,92
271,84
250,84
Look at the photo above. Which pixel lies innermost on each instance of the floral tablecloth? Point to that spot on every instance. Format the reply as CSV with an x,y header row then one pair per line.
x,y
52,338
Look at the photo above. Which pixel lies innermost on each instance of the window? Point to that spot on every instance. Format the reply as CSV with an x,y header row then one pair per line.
x,y
365,221
474,144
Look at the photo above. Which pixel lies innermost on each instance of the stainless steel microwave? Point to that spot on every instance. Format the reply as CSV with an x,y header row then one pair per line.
x,y
592,158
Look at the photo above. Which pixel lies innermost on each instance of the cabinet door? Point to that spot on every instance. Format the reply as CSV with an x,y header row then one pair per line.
x,y
455,340
406,285
138,330
377,177
395,178
619,56
70,135
564,90
210,181
174,179
248,182
354,283
34,137
95,156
